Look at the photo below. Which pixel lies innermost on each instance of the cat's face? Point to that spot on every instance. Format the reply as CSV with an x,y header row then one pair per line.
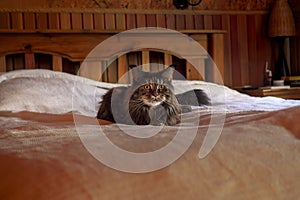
x,y
151,94
152,89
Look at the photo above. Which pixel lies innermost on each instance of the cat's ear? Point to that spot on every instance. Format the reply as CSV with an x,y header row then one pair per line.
x,y
168,73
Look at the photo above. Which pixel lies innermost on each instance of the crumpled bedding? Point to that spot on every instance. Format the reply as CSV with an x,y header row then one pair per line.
x,y
45,91
42,155
256,157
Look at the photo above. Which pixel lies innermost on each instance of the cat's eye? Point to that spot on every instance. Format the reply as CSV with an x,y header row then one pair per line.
x,y
147,87
161,86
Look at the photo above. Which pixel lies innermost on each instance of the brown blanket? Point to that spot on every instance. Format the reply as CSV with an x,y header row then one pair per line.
x,y
256,157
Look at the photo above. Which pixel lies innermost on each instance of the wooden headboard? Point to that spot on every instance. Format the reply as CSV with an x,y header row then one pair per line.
x,y
30,39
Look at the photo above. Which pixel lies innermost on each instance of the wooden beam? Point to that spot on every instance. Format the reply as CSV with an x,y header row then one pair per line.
x,y
146,60
57,63
168,59
2,64
196,72
217,54
122,69
29,60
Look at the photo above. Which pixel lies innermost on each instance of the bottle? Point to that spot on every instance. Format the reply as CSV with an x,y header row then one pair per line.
x,y
268,75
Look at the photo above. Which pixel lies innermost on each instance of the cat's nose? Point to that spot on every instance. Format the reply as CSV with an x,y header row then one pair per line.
x,y
154,93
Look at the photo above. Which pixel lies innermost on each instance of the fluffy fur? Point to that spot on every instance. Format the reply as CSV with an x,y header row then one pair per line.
x,y
150,99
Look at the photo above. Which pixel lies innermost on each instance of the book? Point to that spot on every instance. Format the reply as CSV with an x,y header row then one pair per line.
x,y
276,87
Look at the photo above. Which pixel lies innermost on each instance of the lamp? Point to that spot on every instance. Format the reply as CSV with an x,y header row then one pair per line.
x,y
281,26
183,4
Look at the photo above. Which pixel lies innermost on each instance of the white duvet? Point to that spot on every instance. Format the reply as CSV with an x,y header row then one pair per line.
x,y
45,91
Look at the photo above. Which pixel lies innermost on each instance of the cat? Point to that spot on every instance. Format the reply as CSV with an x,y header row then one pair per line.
x,y
149,100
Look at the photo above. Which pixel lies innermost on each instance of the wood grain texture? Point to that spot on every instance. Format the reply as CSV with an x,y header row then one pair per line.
x,y
138,4
247,45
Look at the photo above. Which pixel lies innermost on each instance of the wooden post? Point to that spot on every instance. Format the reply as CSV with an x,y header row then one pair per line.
x,y
168,59
2,64
217,54
29,60
122,69
57,63
146,60
192,72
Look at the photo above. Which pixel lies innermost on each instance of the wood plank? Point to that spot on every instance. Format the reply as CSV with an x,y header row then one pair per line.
x,y
29,21
2,64
42,21
76,19
235,52
141,20
131,21
57,63
161,21
170,20
217,54
99,23
121,21
199,22
65,21
180,22
192,73
17,20
92,70
227,54
88,21
146,60
189,22
110,21
208,22
19,61
113,72
5,20
54,21
202,39
243,48
123,76
217,22
151,20
29,60
167,59
252,53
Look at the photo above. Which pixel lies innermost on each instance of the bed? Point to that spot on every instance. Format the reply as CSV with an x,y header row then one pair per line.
x,y
44,156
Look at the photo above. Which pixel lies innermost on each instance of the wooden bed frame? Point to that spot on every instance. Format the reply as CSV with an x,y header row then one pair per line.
x,y
73,34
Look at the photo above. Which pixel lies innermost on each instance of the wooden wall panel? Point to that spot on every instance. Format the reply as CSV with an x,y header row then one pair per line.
x,y
189,22
99,21
42,21
121,21
243,48
131,21
199,22
88,21
180,22
65,21
151,20
17,20
140,20
76,21
247,45
110,22
29,21
170,21
161,21
5,20
54,21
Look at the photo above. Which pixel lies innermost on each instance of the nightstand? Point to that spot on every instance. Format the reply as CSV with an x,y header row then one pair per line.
x,y
288,93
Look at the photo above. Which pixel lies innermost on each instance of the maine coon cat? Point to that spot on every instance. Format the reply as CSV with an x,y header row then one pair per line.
x,y
150,99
